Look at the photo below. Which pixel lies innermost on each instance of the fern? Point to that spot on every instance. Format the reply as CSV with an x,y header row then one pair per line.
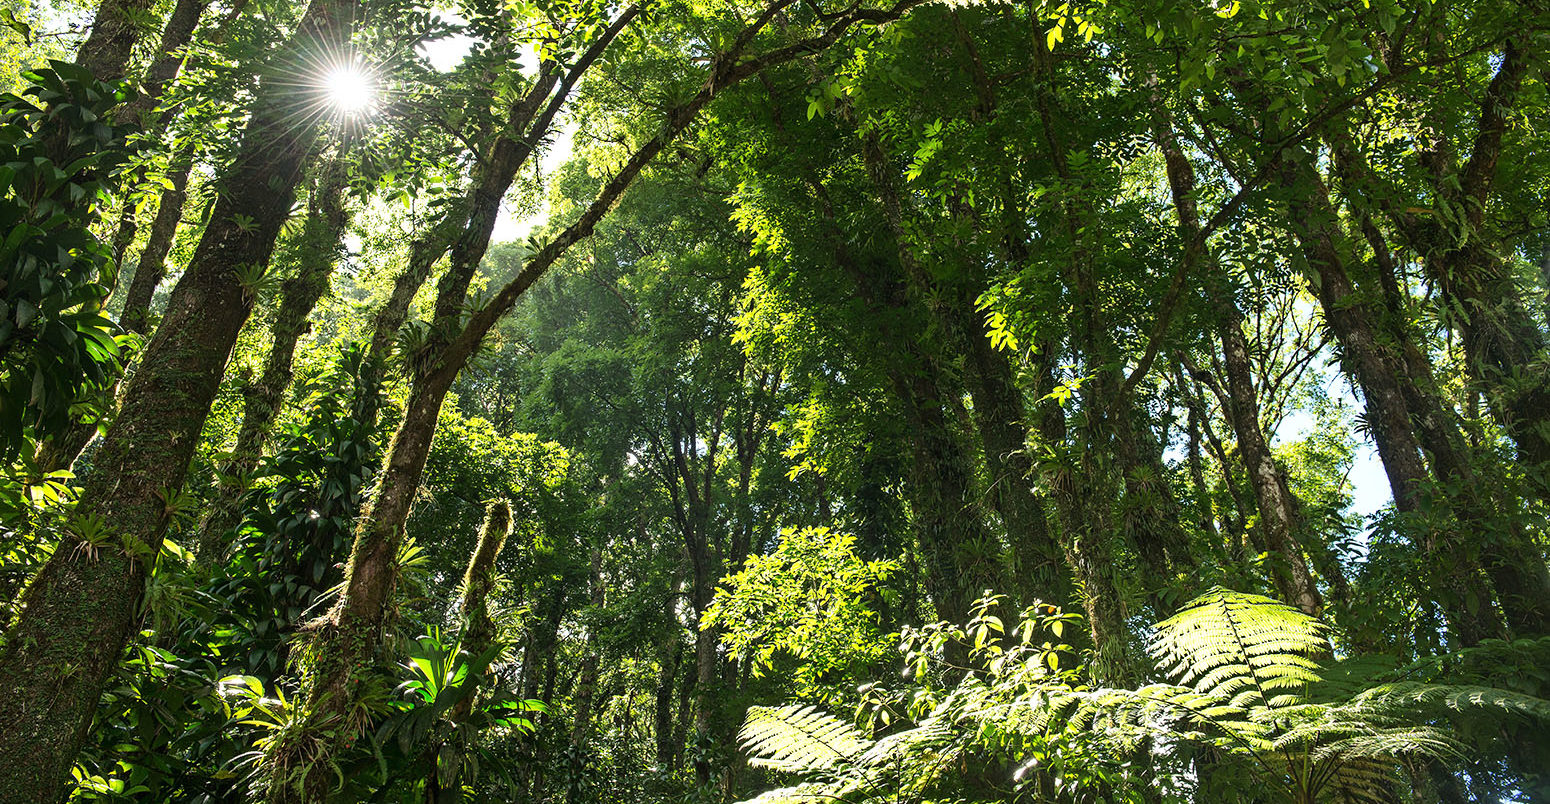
x,y
1247,668
1249,649
800,739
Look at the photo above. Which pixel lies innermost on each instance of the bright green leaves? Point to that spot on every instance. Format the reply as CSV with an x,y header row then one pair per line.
x,y
812,600
1248,648
1081,20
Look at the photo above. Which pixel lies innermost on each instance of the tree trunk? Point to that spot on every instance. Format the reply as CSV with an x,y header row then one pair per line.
x,y
345,640
586,683
1280,511
151,268
114,33
1509,556
478,630
998,406
164,68
1502,342
318,252
667,750
1388,415
79,611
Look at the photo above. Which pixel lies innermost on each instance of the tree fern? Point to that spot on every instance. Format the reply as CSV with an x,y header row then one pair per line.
x,y
1246,648
801,739
1247,669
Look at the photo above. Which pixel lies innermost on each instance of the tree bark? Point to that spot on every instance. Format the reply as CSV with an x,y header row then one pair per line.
x,y
1388,414
1280,511
1508,555
478,631
667,748
79,611
114,34
139,111
318,251
998,406
151,268
586,682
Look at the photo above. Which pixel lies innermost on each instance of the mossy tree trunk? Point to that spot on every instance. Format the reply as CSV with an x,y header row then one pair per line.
x,y
115,30
80,609
347,638
317,251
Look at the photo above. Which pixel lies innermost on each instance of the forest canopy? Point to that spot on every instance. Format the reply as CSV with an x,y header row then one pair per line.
x,y
897,401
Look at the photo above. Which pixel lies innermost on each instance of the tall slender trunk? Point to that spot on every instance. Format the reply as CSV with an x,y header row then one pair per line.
x,y
998,406
1280,511
79,611
140,110
669,660
478,631
151,268
586,681
1388,414
318,251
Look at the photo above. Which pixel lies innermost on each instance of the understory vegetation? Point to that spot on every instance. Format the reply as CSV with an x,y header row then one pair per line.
x,y
894,401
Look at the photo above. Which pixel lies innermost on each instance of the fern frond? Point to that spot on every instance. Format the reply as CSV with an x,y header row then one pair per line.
x,y
1362,781
800,739
805,793
908,744
1421,741
1404,698
1247,649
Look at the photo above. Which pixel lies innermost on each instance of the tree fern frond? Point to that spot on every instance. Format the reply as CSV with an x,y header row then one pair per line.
x,y
1403,698
1391,744
805,793
1362,781
800,739
1241,647
907,744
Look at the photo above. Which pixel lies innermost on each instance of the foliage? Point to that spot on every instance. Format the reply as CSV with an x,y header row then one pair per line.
x,y
1245,707
811,603
58,158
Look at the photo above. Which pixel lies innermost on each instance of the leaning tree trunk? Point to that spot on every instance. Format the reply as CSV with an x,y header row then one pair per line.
x,y
1351,321
1509,556
1503,343
60,449
347,638
140,110
318,252
79,611
151,266
1280,511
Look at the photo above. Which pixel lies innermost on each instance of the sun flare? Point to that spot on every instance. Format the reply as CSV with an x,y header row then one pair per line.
x,y
350,89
